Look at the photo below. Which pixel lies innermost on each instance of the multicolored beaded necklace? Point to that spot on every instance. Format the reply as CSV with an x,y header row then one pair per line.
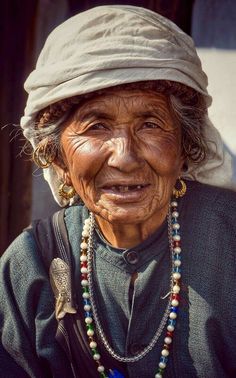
x,y
90,309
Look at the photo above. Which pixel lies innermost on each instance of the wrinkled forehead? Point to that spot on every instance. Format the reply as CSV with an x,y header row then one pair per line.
x,y
122,107
123,93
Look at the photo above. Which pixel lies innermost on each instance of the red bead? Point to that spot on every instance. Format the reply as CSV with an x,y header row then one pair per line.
x,y
84,276
169,334
175,296
84,264
176,243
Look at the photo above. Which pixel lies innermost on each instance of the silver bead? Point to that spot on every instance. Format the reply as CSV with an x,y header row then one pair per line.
x,y
175,214
88,320
84,245
93,344
176,289
176,226
162,365
165,353
176,237
90,332
96,356
177,263
172,315
84,283
100,369
83,258
176,275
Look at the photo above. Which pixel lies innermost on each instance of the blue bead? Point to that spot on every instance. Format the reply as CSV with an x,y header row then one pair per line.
x,y
88,314
87,301
173,309
163,359
175,232
177,269
177,256
172,322
115,374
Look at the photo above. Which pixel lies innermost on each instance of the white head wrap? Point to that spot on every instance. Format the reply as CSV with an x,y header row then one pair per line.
x,y
112,45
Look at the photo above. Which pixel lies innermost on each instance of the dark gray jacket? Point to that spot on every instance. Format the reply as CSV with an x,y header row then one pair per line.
x,y
204,341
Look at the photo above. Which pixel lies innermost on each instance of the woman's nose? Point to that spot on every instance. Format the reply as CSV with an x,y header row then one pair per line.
x,y
124,154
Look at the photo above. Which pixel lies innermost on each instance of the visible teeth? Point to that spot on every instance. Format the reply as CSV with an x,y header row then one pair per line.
x,y
123,188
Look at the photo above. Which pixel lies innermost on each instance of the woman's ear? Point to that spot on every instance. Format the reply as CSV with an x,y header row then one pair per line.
x,y
182,164
62,171
185,166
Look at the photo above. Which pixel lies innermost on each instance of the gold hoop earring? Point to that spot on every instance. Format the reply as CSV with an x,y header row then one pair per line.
x,y
65,191
177,193
42,157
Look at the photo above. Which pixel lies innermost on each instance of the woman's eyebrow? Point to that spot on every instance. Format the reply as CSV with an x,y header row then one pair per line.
x,y
150,113
93,113
146,113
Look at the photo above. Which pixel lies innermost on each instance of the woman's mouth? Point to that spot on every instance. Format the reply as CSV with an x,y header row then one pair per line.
x,y
127,193
125,188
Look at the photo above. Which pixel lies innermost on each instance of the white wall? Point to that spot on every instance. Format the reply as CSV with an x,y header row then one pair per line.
x,y
214,32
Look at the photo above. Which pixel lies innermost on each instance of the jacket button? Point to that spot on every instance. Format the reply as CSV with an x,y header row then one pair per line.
x,y
132,257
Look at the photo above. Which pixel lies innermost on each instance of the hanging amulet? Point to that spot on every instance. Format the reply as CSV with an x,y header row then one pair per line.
x,y
61,285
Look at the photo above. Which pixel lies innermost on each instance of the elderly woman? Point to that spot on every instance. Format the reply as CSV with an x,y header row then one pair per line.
x,y
136,278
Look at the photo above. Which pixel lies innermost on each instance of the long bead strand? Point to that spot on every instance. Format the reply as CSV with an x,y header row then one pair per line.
x,y
174,241
90,310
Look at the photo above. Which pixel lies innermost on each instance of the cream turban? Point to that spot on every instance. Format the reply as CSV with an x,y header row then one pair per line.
x,y
112,45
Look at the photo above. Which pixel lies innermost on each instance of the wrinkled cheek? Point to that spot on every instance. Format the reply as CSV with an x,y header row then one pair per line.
x,y
87,161
166,153
166,166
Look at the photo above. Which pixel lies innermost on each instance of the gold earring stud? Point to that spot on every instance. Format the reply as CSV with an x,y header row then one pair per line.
x,y
65,191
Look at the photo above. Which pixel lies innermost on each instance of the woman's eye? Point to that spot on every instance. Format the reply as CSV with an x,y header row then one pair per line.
x,y
150,125
97,126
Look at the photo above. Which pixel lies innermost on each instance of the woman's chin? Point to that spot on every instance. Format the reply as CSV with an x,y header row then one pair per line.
x,y
128,214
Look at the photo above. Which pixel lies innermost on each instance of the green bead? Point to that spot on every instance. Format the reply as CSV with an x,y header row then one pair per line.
x,y
94,351
161,371
85,289
102,375
90,326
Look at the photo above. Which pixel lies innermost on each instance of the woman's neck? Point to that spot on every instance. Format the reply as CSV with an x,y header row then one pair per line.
x,y
121,235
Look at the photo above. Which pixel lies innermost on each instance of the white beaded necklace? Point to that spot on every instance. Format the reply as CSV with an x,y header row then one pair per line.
x,y
90,308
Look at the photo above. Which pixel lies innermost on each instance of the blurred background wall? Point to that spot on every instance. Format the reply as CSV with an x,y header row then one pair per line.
x,y
24,26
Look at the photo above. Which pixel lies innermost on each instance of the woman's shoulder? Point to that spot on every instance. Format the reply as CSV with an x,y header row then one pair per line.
x,y
23,274
207,201
216,198
22,271
21,250
24,251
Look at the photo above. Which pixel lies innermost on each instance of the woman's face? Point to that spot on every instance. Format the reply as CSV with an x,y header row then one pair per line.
x,y
122,151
